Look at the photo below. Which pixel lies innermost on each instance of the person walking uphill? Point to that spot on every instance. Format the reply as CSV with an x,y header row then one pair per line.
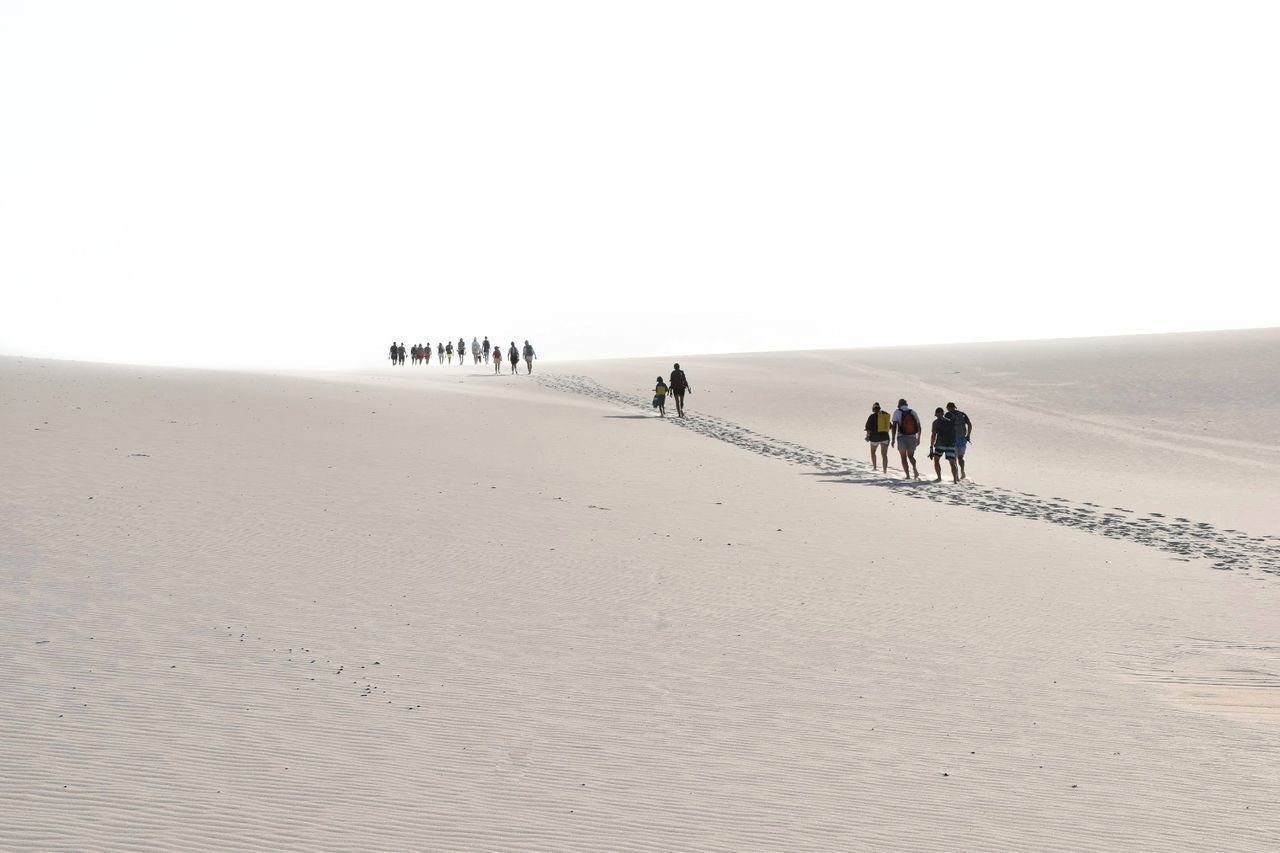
x,y
679,385
660,398
905,435
964,432
395,352
942,442
877,427
497,359
529,356
487,346
513,358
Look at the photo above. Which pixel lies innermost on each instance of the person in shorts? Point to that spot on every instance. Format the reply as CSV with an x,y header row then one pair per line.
x,y
877,428
964,433
497,359
679,385
513,358
942,442
529,356
904,434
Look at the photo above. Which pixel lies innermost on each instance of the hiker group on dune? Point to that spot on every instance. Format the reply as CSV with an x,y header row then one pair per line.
x,y
486,352
948,439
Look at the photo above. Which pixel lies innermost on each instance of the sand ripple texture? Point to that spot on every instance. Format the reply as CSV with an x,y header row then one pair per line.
x,y
1182,537
445,611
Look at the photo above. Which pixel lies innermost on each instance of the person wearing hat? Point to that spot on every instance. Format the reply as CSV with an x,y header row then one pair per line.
x,y
877,429
679,385
660,398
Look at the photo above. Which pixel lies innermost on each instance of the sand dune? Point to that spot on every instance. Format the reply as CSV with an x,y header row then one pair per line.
x,y
438,609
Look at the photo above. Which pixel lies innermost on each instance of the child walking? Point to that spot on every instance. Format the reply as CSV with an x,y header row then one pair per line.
x,y
660,398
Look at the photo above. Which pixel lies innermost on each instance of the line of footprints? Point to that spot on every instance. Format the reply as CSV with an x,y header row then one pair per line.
x,y
1225,549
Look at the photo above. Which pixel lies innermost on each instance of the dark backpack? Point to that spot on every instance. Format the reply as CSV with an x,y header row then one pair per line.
x,y
907,424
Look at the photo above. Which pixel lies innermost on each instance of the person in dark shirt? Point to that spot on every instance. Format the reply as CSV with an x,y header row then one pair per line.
x,y
679,385
964,433
877,429
402,352
395,353
513,357
942,442
487,346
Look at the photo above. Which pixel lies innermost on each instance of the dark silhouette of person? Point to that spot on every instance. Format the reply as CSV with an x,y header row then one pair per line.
x,y
679,385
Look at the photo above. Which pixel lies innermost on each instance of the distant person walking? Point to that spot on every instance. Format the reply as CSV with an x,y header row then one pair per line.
x,y
679,385
462,352
486,349
964,433
878,425
905,435
497,359
395,353
513,357
942,442
440,354
426,353
448,351
401,352
660,398
475,349
529,356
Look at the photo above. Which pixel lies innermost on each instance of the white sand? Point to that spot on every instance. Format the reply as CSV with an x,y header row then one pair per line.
x,y
436,609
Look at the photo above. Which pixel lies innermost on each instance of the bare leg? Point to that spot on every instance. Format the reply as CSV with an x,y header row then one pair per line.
x,y
955,472
937,467
884,458
905,469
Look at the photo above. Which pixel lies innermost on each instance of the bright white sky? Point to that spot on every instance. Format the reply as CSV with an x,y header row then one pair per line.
x,y
298,183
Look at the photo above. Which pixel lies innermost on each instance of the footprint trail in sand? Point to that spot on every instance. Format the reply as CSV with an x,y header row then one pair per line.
x,y
1188,540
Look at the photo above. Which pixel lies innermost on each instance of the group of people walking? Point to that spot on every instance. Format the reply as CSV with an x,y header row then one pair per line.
x,y
486,352
948,439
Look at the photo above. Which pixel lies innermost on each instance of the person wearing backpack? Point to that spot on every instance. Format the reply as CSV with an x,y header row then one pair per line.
x,y
660,398
679,385
877,427
905,435
513,358
529,356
